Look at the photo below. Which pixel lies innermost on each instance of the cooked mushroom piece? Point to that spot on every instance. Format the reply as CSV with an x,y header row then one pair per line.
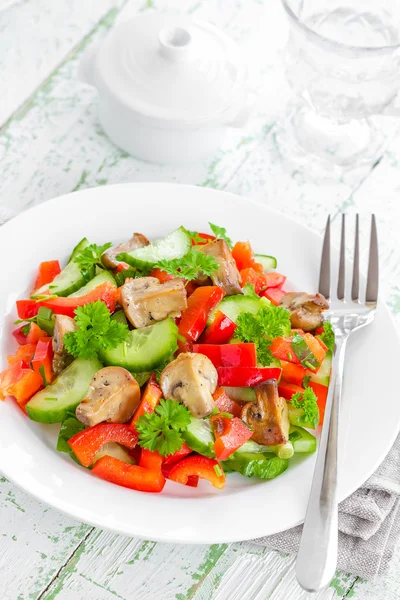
x,y
145,300
268,415
62,326
227,276
305,309
113,396
137,241
192,379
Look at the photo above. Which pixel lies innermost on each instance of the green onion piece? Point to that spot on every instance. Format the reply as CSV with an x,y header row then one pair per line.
x,y
227,415
218,470
214,412
26,329
45,319
290,356
309,365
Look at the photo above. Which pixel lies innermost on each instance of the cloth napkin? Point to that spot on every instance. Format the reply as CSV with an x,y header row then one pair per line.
x,y
369,523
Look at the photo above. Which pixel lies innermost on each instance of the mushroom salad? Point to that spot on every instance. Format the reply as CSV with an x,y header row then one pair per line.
x,y
182,358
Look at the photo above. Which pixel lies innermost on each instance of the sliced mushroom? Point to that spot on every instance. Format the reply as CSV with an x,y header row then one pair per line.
x,y
145,300
62,326
113,396
137,241
192,379
227,276
305,309
267,416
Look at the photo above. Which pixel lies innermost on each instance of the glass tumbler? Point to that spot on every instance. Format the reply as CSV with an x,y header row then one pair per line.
x,y
342,61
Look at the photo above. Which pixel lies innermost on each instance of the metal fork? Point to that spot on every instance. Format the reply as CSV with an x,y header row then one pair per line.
x,y
317,556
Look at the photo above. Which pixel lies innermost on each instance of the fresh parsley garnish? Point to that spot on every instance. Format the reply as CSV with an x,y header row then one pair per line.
x,y
261,329
127,274
189,266
161,430
96,331
248,290
220,232
328,336
90,258
196,237
308,402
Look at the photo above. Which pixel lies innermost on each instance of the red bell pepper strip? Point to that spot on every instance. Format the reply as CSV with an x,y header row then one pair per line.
x,y
106,292
122,267
228,355
275,295
162,276
321,343
20,382
220,331
150,398
192,481
190,286
274,280
315,347
19,335
205,238
230,434
321,391
200,304
249,275
42,362
292,373
225,403
199,466
150,460
281,348
286,390
24,353
35,334
129,476
319,331
245,376
178,455
88,442
243,254
46,273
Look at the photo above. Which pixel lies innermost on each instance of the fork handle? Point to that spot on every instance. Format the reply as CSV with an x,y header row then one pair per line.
x,y
317,555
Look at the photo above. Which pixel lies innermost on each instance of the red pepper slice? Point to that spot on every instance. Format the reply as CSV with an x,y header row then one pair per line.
x,y
150,398
35,334
281,348
245,376
150,460
315,347
199,466
274,294
319,331
19,335
225,403
243,254
88,442
46,273
249,275
292,373
162,276
42,362
206,237
220,331
178,455
20,382
129,476
229,355
321,391
230,434
107,292
122,267
200,304
286,390
24,353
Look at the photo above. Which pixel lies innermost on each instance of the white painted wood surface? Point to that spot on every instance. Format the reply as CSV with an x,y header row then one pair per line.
x,y
51,143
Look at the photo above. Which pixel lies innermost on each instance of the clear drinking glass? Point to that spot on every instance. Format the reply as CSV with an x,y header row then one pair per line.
x,y
342,61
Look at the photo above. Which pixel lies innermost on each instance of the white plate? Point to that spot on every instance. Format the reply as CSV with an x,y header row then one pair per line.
x,y
246,508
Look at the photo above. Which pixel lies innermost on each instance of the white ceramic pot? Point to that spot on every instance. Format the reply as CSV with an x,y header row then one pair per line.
x,y
169,86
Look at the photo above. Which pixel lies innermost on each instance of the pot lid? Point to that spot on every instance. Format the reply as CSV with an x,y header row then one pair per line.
x,y
173,68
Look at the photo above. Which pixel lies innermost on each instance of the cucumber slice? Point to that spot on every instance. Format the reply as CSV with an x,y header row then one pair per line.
x,y
145,348
303,352
263,466
84,243
94,283
120,317
283,451
174,245
323,374
65,283
52,404
233,306
296,417
303,441
199,437
241,394
268,262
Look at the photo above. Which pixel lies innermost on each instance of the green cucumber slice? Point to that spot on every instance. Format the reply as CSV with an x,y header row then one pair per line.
x,y
145,348
233,306
241,394
84,243
120,317
94,283
199,437
174,245
323,374
303,441
52,404
303,352
283,451
65,283
268,262
296,417
263,466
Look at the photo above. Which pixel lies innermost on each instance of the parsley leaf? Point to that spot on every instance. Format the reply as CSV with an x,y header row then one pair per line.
x,y
220,232
328,337
270,322
308,402
96,331
127,274
249,290
161,430
189,266
196,238
89,258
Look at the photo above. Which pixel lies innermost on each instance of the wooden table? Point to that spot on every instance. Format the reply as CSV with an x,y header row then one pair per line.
x,y
51,143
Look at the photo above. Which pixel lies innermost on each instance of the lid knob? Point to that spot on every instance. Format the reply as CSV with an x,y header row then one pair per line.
x,y
175,43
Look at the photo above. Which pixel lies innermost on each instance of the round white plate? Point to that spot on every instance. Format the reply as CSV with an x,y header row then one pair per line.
x,y
246,508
